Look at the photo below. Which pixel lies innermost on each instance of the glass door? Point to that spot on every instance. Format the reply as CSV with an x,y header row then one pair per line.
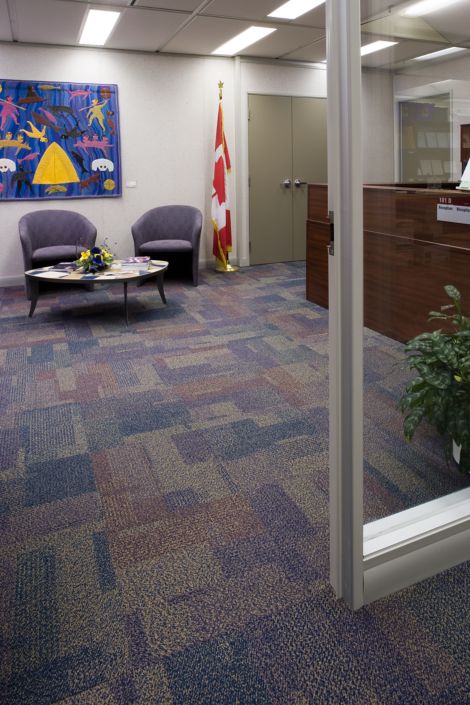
x,y
400,109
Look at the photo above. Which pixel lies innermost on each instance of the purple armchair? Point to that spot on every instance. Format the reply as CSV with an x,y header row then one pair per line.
x,y
170,231
52,236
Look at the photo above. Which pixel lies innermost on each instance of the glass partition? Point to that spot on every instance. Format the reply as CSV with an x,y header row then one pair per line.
x,y
416,117
399,377
416,107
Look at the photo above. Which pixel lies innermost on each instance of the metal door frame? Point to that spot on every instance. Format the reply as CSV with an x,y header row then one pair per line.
x,y
346,299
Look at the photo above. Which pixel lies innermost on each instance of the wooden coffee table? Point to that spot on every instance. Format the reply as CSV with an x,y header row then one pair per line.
x,y
115,274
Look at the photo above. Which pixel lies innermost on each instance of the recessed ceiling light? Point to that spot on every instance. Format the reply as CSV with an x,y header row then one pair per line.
x,y
295,8
376,46
243,40
437,54
425,6
98,26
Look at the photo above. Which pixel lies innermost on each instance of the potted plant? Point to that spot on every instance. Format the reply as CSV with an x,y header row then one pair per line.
x,y
440,392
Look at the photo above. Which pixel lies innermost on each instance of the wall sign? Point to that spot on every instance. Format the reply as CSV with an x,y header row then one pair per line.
x,y
58,140
449,213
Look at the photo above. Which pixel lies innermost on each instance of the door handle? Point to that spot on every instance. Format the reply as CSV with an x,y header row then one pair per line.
x,y
298,183
286,183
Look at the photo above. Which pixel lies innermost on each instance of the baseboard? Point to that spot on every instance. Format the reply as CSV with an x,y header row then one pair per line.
x,y
17,280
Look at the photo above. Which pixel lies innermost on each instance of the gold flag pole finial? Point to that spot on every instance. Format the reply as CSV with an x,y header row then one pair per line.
x,y
221,86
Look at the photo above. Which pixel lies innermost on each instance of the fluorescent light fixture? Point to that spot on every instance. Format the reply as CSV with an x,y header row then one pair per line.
x,y
243,40
98,26
424,7
376,46
437,54
295,8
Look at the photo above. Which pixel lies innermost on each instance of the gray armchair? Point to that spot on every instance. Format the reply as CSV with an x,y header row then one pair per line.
x,y
170,231
52,236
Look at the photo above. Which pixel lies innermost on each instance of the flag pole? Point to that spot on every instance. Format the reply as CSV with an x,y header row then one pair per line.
x,y
222,246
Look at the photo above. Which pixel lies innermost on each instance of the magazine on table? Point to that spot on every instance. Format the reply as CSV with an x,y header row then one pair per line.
x,y
64,267
140,262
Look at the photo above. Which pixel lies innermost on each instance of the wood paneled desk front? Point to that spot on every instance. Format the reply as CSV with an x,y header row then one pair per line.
x,y
409,255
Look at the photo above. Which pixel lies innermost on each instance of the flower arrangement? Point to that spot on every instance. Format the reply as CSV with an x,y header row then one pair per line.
x,y
95,260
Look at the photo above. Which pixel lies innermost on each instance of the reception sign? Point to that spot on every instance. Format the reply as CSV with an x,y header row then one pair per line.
x,y
58,140
453,214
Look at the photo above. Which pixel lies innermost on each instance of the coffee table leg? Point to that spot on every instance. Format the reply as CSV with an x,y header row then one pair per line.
x,y
126,311
34,289
160,287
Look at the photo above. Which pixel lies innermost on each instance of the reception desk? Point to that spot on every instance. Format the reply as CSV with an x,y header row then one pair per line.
x,y
409,255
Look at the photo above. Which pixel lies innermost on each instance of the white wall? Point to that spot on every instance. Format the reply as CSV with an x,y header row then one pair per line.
x,y
168,110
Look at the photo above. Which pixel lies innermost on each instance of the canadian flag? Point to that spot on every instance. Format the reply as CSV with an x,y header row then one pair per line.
x,y
220,200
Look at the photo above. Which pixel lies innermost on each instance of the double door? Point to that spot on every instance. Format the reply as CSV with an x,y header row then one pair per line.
x,y
287,150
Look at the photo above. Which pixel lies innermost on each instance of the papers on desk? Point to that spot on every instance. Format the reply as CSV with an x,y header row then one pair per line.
x,y
49,274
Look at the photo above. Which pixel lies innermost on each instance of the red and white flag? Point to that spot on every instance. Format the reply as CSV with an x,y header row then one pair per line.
x,y
220,200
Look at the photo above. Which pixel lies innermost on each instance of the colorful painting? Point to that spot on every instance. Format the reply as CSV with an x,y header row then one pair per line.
x,y
58,140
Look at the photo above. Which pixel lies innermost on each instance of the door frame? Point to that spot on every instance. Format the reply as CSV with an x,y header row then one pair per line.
x,y
346,299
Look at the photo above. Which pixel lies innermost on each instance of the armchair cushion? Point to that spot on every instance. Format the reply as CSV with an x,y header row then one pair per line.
x,y
56,253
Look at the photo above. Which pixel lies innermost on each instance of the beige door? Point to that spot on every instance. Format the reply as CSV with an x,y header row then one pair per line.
x,y
287,150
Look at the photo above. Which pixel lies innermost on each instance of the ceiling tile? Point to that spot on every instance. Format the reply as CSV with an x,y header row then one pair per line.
x,y
314,18
145,30
311,52
49,21
204,34
185,5
116,3
453,22
404,50
5,32
284,41
258,12
242,9
396,25
371,8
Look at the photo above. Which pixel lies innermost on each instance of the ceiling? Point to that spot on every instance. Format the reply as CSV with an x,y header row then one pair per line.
x,y
200,26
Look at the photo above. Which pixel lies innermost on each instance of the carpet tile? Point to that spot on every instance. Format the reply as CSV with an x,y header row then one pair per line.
x,y
164,506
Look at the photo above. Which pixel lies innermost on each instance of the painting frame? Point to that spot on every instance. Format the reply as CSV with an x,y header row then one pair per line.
x,y
59,140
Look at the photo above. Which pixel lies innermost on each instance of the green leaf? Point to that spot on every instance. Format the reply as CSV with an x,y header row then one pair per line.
x,y
452,292
411,423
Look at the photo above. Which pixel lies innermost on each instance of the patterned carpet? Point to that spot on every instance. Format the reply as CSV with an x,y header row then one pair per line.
x,y
164,509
